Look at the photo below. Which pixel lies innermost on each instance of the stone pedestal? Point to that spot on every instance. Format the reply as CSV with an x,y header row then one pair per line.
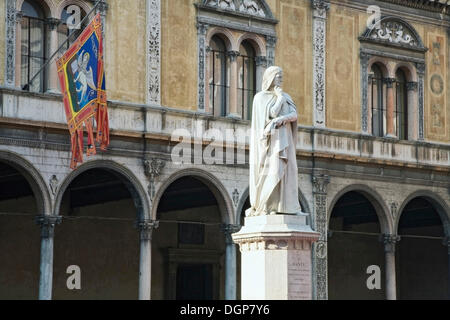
x,y
276,257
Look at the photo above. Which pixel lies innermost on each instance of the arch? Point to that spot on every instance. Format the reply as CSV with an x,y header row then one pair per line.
x,y
82,4
47,5
226,36
132,183
213,183
408,69
303,203
436,201
381,63
374,198
34,178
256,41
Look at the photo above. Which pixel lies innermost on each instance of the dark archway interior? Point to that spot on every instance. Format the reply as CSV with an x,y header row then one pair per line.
x,y
354,246
188,247
422,259
19,237
98,234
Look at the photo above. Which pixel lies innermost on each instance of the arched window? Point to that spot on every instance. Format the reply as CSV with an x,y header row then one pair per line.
x,y
64,30
247,78
218,77
33,46
378,105
401,108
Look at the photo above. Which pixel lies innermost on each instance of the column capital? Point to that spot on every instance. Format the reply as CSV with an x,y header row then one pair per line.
x,y
228,230
421,67
389,82
146,228
18,15
390,241
102,6
202,28
320,183
233,55
52,23
261,61
365,57
271,41
48,224
412,86
320,8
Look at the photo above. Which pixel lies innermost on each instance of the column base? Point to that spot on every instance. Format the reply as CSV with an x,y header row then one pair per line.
x,y
276,257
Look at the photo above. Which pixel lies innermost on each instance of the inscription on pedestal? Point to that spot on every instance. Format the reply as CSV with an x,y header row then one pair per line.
x,y
299,275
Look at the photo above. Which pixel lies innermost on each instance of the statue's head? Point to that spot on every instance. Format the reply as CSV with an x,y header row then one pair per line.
x,y
272,77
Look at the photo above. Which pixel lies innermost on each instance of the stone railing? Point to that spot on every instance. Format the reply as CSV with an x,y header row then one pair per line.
x,y
159,122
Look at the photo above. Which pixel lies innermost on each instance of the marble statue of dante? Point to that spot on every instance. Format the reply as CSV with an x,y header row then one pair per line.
x,y
273,163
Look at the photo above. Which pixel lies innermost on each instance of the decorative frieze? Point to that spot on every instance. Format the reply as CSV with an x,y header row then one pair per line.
x,y
201,33
320,8
12,17
153,51
420,67
249,7
364,57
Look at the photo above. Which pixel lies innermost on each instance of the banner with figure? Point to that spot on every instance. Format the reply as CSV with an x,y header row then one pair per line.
x,y
82,77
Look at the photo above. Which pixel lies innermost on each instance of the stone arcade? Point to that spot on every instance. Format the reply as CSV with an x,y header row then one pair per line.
x,y
372,150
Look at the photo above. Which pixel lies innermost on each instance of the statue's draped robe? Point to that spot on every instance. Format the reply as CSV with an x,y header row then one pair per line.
x,y
273,164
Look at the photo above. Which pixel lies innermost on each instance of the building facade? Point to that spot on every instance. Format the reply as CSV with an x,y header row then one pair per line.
x,y
370,80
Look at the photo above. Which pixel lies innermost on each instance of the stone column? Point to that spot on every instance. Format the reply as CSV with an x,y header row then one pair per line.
x,y
230,261
276,257
201,34
51,73
446,242
390,242
47,224
261,66
390,108
412,110
320,8
145,262
233,102
153,51
320,251
421,67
